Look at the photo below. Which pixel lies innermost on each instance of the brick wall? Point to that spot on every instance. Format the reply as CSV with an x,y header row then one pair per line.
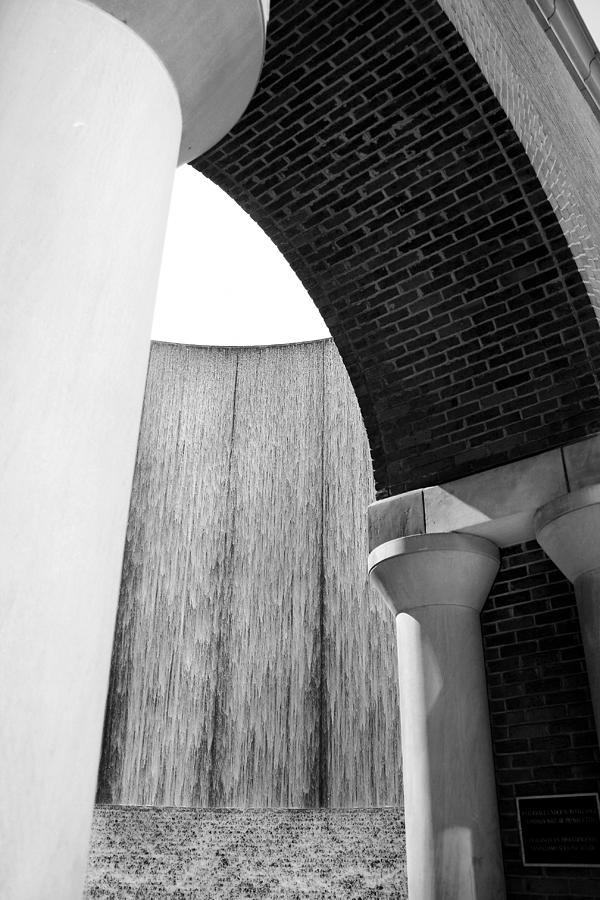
x,y
378,158
542,722
558,129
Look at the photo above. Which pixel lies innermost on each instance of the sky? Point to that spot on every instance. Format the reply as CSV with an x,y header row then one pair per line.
x,y
223,281
590,13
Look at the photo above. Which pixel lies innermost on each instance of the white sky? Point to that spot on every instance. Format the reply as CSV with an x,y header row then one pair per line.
x,y
222,279
590,13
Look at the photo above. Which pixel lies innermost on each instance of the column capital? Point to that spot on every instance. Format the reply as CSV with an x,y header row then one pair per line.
x,y
568,530
434,569
213,51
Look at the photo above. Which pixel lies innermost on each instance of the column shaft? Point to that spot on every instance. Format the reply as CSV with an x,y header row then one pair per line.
x,y
568,529
449,787
437,584
89,137
587,592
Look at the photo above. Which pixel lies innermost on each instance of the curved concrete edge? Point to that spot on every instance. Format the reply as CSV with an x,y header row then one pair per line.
x,y
428,543
234,347
562,22
213,51
430,571
562,506
568,530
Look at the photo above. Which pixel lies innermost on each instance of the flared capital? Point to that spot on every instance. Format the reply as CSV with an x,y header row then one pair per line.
x,y
213,50
434,569
568,530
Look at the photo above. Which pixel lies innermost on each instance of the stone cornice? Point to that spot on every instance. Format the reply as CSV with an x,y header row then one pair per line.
x,y
498,504
568,32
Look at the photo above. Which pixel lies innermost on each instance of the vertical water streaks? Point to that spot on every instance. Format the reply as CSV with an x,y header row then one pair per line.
x,y
252,667
267,735
360,699
159,720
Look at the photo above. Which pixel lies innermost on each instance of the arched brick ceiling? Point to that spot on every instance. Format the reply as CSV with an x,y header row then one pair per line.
x,y
377,158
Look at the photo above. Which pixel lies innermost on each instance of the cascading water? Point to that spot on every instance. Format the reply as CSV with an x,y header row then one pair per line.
x,y
360,696
252,666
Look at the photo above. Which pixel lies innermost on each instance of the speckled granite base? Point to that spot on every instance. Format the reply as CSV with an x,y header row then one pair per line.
x,y
193,854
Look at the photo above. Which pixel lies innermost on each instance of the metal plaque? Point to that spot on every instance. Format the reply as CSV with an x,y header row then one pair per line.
x,y
560,830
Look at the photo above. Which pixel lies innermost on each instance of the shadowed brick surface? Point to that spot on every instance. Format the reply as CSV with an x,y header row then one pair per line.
x,y
542,721
378,159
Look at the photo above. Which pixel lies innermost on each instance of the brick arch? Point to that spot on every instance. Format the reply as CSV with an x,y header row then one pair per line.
x,y
378,159
497,54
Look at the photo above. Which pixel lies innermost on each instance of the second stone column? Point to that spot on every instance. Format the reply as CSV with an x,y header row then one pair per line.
x,y
436,585
568,530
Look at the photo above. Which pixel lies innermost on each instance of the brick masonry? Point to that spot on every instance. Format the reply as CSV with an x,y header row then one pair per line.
x,y
520,64
378,158
542,721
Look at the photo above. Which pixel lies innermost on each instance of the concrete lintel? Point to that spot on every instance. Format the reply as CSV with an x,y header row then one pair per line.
x,y
582,463
498,504
396,517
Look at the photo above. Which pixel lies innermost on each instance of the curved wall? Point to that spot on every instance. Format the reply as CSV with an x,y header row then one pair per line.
x,y
251,664
556,124
377,156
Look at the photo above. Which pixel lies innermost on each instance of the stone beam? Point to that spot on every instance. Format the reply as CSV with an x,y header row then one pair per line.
x,y
498,504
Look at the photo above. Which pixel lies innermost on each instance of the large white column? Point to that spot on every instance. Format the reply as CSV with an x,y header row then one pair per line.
x,y
568,530
436,584
90,129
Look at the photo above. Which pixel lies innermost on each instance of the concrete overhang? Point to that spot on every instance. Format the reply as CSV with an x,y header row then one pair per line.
x,y
213,50
498,504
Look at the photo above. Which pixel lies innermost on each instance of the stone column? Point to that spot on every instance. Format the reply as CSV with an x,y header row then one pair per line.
x,y
436,584
90,134
568,530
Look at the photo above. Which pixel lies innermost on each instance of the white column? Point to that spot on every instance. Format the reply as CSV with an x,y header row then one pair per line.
x,y
90,128
437,584
568,530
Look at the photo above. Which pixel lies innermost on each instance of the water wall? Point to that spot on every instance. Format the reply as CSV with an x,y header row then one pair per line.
x,y
252,666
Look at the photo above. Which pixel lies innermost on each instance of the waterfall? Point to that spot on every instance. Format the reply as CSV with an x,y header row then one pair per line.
x,y
252,665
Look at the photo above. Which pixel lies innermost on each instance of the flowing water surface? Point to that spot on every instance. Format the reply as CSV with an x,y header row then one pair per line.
x,y
252,665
